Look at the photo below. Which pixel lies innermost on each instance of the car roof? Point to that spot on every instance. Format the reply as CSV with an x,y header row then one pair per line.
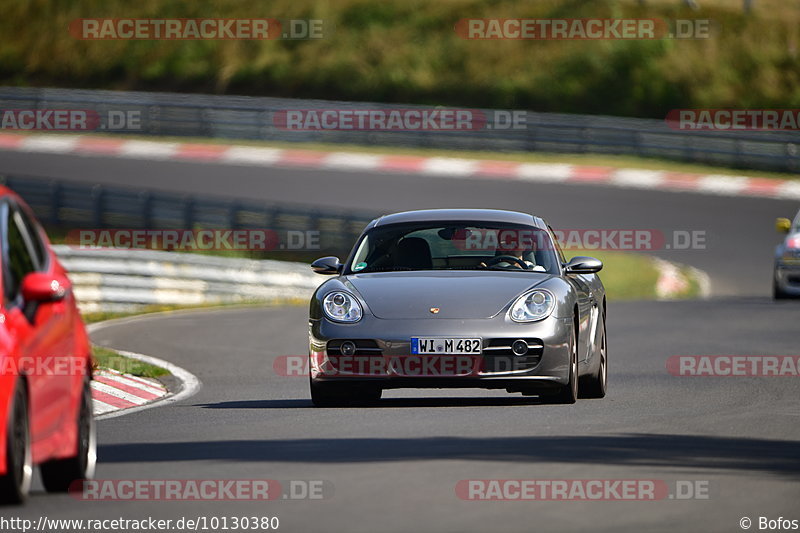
x,y
449,215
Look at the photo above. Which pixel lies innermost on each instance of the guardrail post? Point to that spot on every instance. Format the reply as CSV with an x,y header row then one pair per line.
x,y
188,212
531,133
153,120
55,202
233,215
146,199
790,158
97,206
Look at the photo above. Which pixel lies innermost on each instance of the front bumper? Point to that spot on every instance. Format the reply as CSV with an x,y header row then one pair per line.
x,y
394,367
787,278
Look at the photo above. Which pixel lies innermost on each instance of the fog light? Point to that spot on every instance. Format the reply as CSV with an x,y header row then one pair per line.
x,y
348,348
519,347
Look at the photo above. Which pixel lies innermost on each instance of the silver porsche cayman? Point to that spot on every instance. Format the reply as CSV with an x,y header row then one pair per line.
x,y
451,298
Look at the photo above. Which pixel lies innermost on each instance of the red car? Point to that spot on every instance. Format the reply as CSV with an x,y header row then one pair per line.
x,y
45,363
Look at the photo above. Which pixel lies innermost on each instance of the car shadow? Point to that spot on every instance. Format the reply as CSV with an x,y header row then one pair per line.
x,y
383,403
693,452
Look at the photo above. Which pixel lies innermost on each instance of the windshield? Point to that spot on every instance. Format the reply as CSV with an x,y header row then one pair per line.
x,y
455,246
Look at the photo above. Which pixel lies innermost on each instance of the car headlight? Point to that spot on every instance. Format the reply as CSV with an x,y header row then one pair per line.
x,y
341,307
531,306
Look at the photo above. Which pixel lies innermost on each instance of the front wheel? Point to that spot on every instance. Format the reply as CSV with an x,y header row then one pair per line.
x,y
595,386
59,474
15,484
568,393
777,292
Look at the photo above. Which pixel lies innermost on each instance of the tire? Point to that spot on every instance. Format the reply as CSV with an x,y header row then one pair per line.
x,y
777,293
568,394
58,475
596,385
343,394
15,484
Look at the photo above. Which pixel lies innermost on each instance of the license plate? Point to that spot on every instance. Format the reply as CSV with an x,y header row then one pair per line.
x,y
444,346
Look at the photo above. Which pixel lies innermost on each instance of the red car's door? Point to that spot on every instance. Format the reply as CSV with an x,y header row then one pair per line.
x,y
43,335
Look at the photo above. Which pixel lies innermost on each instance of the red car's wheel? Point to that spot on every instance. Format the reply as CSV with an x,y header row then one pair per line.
x,y
58,475
15,484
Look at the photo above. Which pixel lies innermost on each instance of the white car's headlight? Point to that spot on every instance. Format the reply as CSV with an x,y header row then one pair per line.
x,y
531,306
341,307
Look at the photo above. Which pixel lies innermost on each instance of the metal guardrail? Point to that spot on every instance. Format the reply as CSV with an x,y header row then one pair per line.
x,y
236,117
127,280
69,205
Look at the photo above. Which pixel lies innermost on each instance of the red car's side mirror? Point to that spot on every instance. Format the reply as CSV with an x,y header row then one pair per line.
x,y
41,287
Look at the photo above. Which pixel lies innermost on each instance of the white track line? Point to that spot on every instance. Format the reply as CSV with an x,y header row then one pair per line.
x,y
49,143
449,166
245,155
101,408
351,161
148,149
545,172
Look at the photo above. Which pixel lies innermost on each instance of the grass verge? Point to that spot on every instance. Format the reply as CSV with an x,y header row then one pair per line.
x,y
631,276
108,358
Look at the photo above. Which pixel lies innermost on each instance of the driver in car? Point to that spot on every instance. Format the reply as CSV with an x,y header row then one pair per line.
x,y
512,248
512,264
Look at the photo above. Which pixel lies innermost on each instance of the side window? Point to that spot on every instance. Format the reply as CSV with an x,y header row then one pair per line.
x,y
17,258
557,245
34,237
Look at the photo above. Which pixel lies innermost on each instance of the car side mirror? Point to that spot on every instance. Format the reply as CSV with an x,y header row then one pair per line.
x,y
41,287
583,265
327,265
783,225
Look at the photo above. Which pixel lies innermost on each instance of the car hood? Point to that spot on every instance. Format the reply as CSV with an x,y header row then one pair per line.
x,y
457,295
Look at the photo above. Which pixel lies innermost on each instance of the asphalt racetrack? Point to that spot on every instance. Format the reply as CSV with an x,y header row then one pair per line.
x,y
396,467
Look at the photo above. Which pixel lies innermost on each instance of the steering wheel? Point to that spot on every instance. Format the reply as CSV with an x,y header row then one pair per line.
x,y
507,259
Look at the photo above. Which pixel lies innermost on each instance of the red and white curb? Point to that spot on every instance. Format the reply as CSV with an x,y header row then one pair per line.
x,y
110,388
112,391
448,167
